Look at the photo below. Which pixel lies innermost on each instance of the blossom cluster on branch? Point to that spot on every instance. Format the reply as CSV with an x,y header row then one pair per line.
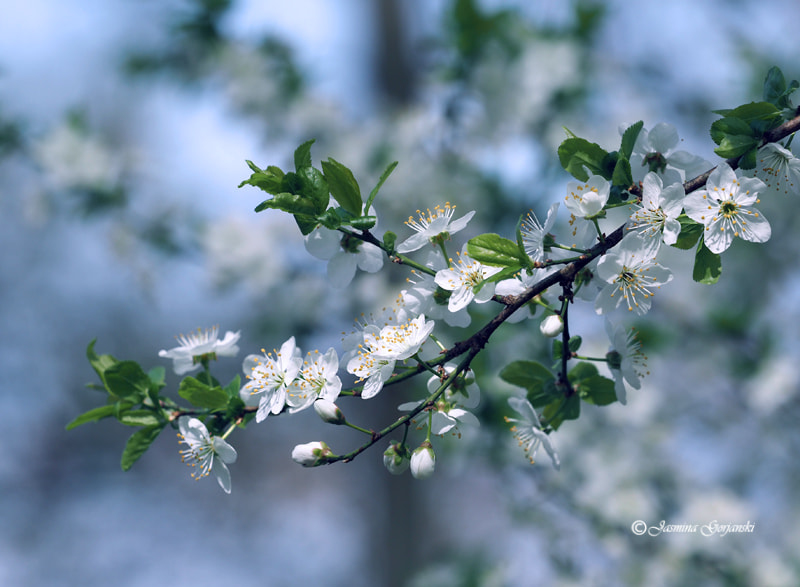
x,y
663,196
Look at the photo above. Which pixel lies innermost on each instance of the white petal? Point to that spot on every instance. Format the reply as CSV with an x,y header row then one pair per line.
x,y
370,258
223,475
459,224
757,229
323,243
342,269
224,450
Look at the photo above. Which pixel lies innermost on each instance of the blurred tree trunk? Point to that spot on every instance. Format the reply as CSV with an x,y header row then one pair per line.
x,y
395,76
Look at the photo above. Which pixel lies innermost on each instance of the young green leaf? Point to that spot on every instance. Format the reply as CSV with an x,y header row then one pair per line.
x,y
302,156
269,180
127,379
576,155
201,395
691,231
629,139
564,408
492,249
139,418
374,191
707,265
622,175
138,444
291,203
597,390
92,416
100,363
343,186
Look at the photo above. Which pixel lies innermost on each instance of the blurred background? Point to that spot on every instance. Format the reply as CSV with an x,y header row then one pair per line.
x,y
124,127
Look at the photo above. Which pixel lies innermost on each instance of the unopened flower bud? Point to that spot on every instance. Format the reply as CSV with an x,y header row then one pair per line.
x,y
329,411
423,461
551,326
311,454
396,458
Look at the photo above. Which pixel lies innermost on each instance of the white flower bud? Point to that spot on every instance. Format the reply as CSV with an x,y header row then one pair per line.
x,y
329,411
423,461
311,454
552,326
395,458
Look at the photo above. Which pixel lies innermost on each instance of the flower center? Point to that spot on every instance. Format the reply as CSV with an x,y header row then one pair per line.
x,y
655,162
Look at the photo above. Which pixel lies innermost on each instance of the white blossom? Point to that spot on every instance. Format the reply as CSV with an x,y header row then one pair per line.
x,y
534,233
779,169
656,151
269,377
210,454
344,254
317,379
656,218
466,280
625,358
586,199
631,275
431,224
528,431
724,208
194,347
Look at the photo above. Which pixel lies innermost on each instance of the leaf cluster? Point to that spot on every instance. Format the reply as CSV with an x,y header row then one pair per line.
x,y
740,132
306,192
134,399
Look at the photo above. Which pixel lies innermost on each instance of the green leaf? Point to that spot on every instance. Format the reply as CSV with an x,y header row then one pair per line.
x,y
232,389
291,203
139,418
389,239
269,180
729,126
575,154
492,249
707,265
735,146
774,86
386,173
754,111
535,378
312,185
574,343
138,444
691,231
306,224
201,395
749,159
582,370
100,363
364,222
775,90
343,186
157,376
126,378
597,390
565,408
302,156
622,175
629,139
92,416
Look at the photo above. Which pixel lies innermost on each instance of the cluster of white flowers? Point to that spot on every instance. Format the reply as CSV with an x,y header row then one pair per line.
x,y
443,289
